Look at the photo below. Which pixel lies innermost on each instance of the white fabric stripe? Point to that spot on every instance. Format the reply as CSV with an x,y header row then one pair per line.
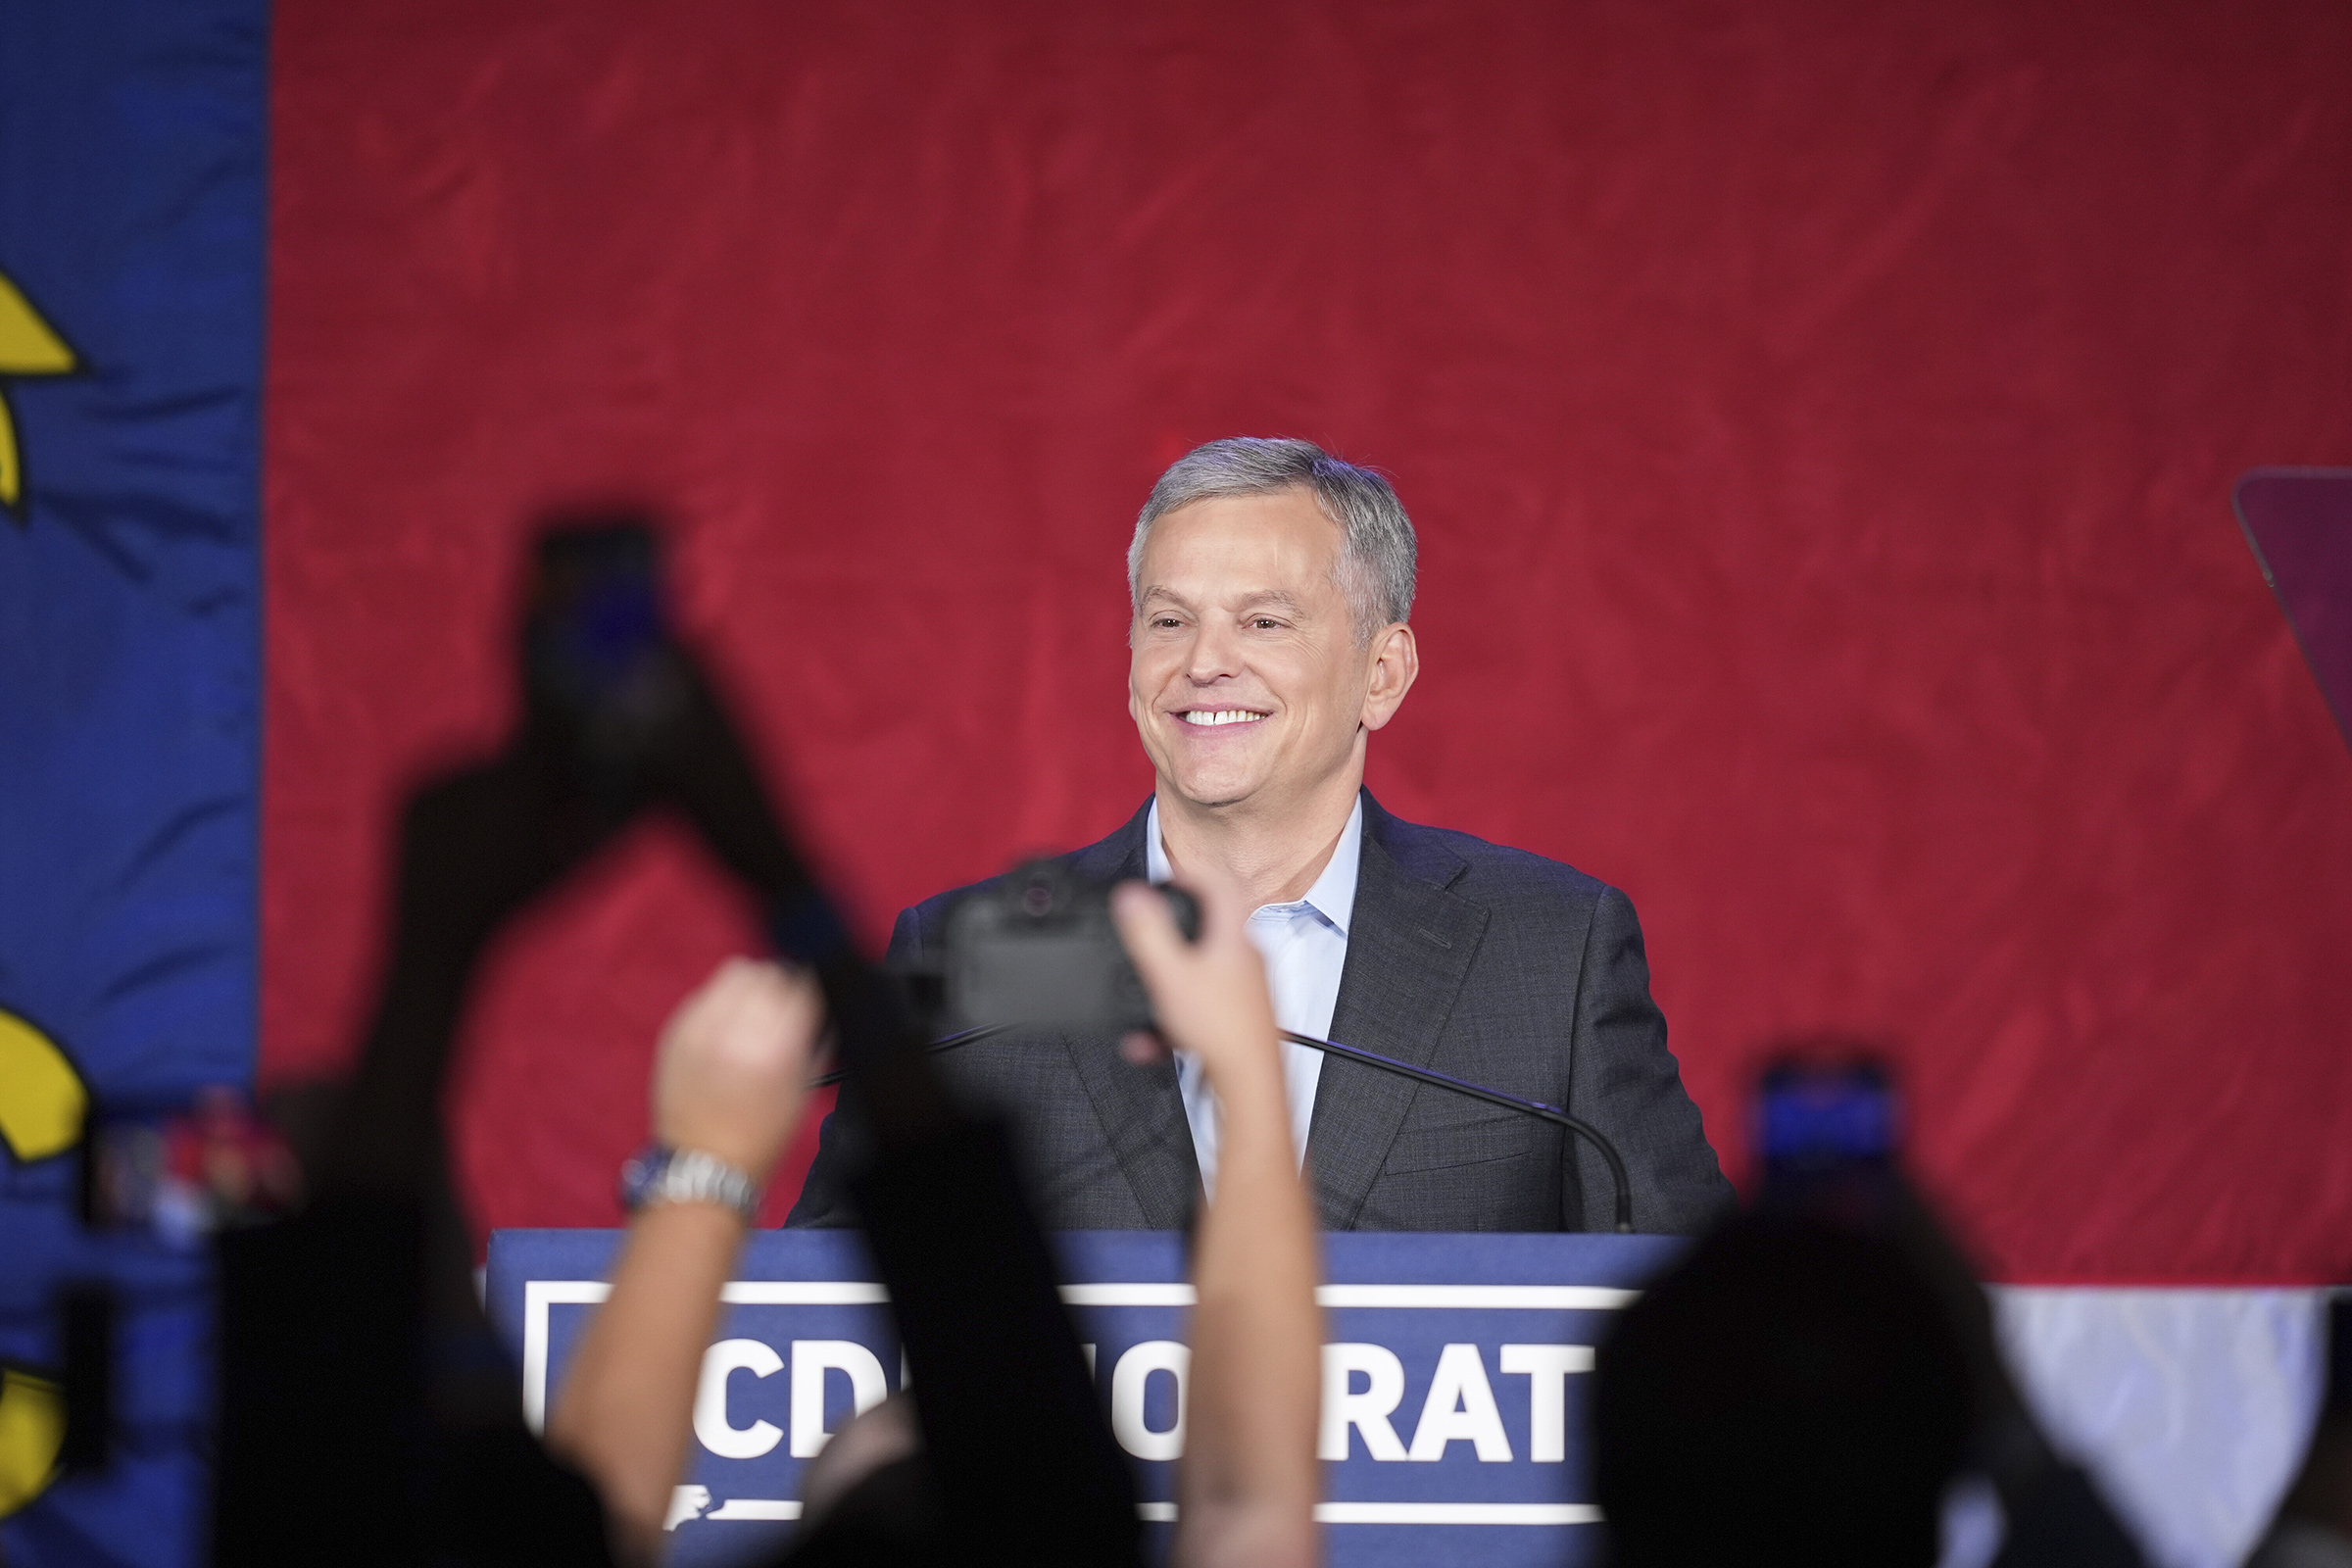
x,y
1499,1297
1128,1295
2192,1407
1456,1513
537,1297
756,1509
803,1293
1329,1513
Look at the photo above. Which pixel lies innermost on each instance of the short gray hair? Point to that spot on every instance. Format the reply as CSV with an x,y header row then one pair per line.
x,y
1377,549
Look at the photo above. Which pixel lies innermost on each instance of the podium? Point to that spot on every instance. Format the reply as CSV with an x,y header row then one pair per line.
x,y
1453,1390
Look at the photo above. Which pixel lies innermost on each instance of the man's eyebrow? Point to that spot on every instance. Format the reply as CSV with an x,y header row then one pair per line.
x,y
1271,596
1155,591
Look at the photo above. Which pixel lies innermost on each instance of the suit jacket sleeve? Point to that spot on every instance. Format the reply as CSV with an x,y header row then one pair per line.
x,y
1623,1081
824,1200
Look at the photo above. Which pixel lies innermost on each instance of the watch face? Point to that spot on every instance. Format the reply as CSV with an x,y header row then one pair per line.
x,y
640,1176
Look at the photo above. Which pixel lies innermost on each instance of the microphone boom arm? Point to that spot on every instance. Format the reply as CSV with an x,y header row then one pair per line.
x,y
1493,1097
1404,1069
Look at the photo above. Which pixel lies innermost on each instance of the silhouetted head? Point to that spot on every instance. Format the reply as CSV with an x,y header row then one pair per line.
x,y
1791,1394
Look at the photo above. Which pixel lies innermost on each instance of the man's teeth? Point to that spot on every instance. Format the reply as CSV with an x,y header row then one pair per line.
x,y
1222,715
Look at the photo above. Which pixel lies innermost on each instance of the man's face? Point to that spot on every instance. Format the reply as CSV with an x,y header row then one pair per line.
x,y
1246,680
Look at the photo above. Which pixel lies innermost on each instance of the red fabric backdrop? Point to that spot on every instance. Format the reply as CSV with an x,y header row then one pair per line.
x,y
1819,417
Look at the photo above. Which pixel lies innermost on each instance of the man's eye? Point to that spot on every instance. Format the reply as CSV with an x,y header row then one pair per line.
x,y
1265,623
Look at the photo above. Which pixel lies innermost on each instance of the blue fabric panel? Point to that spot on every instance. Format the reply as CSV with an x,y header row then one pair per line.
x,y
132,217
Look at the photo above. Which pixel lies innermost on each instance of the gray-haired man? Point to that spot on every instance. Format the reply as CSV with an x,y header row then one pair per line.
x,y
1272,584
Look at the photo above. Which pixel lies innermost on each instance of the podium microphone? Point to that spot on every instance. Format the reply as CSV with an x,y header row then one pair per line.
x,y
1493,1097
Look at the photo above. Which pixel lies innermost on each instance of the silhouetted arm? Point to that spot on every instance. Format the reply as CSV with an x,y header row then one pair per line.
x,y
1248,1481
730,1080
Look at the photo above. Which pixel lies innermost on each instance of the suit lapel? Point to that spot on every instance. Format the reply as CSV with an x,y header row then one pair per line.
x,y
1140,1108
1409,945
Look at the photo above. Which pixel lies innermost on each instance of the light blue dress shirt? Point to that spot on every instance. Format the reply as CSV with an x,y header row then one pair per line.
x,y
1306,949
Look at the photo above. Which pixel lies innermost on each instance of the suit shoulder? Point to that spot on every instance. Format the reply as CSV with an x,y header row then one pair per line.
x,y
920,924
1499,873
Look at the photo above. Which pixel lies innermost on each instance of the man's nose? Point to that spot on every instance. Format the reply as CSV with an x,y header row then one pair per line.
x,y
1215,653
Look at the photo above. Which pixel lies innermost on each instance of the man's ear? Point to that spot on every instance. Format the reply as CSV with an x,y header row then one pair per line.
x,y
1395,661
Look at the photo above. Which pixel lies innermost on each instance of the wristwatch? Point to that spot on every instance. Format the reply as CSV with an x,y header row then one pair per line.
x,y
665,1175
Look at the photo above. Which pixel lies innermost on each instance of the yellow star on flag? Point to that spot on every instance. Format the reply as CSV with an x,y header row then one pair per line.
x,y
32,1429
28,346
42,1100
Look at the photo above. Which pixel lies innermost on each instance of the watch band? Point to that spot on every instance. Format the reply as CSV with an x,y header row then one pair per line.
x,y
665,1175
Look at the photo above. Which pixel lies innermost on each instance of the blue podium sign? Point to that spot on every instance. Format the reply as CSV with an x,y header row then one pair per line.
x,y
1452,1393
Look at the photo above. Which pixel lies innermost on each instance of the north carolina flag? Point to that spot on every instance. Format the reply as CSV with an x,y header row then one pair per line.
x,y
1820,423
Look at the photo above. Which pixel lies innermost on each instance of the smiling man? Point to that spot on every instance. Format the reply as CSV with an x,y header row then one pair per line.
x,y
1272,584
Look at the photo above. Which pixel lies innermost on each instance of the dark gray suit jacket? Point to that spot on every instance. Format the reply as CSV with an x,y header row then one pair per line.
x,y
1486,964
